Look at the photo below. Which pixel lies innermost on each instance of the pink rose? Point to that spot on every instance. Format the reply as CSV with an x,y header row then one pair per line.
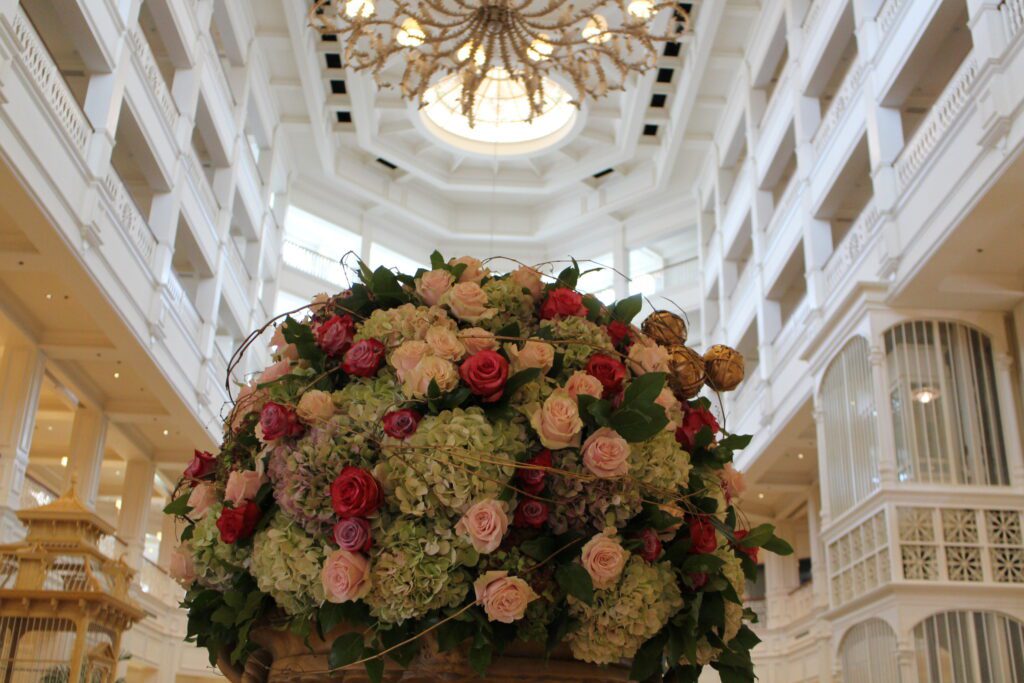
x,y
202,498
275,371
503,597
528,279
282,347
242,486
477,339
485,524
315,407
606,454
534,354
182,568
474,272
407,356
353,534
417,380
249,400
345,576
557,422
604,559
468,302
673,408
733,483
584,383
445,343
433,285
647,356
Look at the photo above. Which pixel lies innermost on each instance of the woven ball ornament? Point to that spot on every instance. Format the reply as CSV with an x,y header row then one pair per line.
x,y
688,374
665,327
724,367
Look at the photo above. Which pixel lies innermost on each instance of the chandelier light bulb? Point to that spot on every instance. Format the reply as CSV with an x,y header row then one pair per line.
x,y
641,9
540,49
359,8
464,53
411,34
596,30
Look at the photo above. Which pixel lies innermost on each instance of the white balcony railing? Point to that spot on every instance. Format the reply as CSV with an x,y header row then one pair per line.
x,y
784,207
182,305
845,96
197,178
1013,16
156,583
853,245
151,72
791,608
314,263
127,215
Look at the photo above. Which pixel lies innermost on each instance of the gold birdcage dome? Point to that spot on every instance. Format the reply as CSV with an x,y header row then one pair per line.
x,y
64,605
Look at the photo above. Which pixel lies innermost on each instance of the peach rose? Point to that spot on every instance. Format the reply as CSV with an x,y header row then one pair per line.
x,y
604,558
534,354
407,356
315,407
275,371
249,400
182,568
202,498
485,524
417,380
433,285
606,454
503,597
673,408
282,347
474,272
468,302
242,486
646,356
318,302
444,343
733,483
528,278
345,576
584,383
557,422
477,339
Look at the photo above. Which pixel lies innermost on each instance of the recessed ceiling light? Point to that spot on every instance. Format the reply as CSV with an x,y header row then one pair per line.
x,y
64,461
117,503
117,375
117,473
799,456
49,428
760,495
166,432
49,297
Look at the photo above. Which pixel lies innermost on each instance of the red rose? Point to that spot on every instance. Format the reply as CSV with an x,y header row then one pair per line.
x,y
355,493
364,358
334,335
401,424
695,419
562,302
532,480
698,580
751,551
620,332
702,536
485,373
610,372
202,466
651,549
238,523
277,420
531,513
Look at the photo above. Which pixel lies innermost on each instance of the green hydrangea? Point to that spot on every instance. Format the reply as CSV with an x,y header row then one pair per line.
x,y
594,504
622,618
660,464
416,567
365,399
528,398
708,483
513,304
592,339
438,469
396,325
286,563
216,563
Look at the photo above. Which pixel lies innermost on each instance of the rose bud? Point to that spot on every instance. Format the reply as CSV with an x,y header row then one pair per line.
x,y
651,549
364,358
353,534
695,419
610,372
236,524
278,421
334,335
202,466
531,513
532,479
355,493
702,536
401,424
751,551
562,302
485,373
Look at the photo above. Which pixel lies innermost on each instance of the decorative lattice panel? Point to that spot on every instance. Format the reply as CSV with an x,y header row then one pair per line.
x,y
858,561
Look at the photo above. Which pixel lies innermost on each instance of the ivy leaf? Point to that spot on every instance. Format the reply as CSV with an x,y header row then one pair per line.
x,y
644,389
647,660
345,649
575,581
628,308
179,506
746,638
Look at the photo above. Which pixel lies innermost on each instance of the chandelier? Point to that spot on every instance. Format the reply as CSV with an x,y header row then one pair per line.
x,y
593,45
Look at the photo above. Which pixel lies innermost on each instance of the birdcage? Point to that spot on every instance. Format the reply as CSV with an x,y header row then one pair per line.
x,y
64,605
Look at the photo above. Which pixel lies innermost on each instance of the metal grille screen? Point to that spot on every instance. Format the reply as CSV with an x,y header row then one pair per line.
x,y
869,654
969,647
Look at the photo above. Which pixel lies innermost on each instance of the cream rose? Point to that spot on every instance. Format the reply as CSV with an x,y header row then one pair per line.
x,y
528,278
407,356
444,343
534,354
345,576
468,302
673,408
477,339
318,302
557,422
604,558
202,498
474,272
275,371
182,568
282,347
733,483
485,524
584,383
646,356
249,400
503,597
606,454
242,486
433,285
417,380
315,407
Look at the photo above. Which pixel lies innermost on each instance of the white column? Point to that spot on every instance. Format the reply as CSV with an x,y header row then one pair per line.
x,y
887,468
826,507
21,376
85,457
136,500
819,568
1008,410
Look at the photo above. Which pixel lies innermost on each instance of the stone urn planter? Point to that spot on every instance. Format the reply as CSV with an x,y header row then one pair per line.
x,y
286,658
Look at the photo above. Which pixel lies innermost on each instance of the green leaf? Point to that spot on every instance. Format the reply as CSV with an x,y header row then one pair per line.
x,y
223,615
451,633
436,260
558,629
519,379
234,599
539,548
569,277
709,564
677,552
647,660
677,637
345,649
627,309
374,668
757,536
480,657
644,389
746,638
575,581
179,506
704,437
736,442
635,424
510,330
594,307
712,612
778,546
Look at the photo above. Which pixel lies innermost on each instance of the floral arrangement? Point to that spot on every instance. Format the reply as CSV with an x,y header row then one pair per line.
x,y
488,459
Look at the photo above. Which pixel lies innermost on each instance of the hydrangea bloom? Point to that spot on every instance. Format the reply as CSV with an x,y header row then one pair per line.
x,y
596,504
513,304
660,463
393,326
286,564
623,617
216,563
592,339
415,568
366,399
438,469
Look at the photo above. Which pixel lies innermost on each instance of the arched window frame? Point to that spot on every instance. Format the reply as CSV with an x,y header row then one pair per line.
x,y
988,646
878,664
